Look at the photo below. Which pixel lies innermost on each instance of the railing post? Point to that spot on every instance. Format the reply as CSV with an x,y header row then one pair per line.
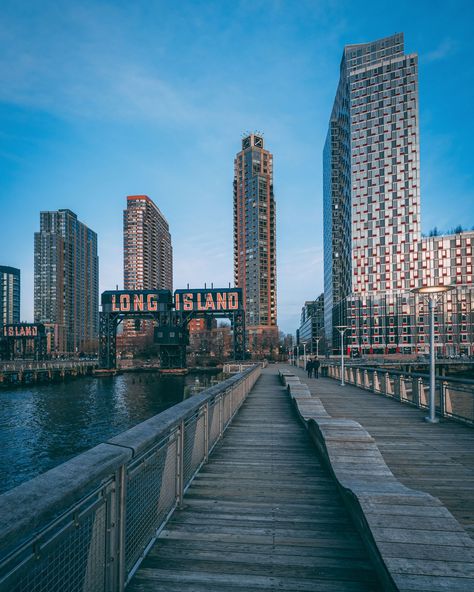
x,y
180,465
415,389
442,398
206,432
221,414
422,400
121,513
396,385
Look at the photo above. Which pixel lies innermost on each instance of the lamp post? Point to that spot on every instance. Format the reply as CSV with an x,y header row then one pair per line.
x,y
431,294
304,355
318,339
342,329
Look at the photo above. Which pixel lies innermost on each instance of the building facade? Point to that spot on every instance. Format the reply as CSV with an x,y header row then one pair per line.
x,y
255,239
311,329
147,261
398,322
371,177
147,250
66,282
9,295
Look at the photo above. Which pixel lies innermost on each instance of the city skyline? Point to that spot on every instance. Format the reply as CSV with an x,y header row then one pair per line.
x,y
84,138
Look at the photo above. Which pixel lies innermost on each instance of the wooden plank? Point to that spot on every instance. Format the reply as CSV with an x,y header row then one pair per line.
x,y
263,514
437,459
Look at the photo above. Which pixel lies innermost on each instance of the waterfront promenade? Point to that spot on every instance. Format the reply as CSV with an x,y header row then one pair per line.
x,y
227,491
263,514
435,458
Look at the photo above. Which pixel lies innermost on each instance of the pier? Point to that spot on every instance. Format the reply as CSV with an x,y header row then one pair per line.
x,y
24,372
267,481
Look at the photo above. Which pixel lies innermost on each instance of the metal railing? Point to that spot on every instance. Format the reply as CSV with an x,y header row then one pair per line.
x,y
16,365
454,396
86,525
235,368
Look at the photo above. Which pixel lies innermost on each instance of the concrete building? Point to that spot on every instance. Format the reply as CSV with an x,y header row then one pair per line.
x,y
66,282
147,250
9,295
371,176
398,322
255,239
147,261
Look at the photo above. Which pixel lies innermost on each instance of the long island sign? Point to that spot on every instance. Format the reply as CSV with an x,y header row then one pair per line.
x,y
135,302
226,300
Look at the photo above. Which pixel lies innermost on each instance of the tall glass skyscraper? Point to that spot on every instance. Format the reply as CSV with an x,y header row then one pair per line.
x,y
255,235
66,286
371,176
9,295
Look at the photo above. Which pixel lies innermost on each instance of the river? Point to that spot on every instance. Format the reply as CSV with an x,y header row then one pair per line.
x,y
43,425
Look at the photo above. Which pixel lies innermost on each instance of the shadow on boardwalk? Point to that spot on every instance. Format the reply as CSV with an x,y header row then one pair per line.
x,y
263,514
437,459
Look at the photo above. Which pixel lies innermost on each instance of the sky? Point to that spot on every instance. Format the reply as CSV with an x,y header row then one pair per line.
x,y
104,99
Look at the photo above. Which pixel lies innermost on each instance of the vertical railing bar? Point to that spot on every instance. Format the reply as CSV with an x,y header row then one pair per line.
x,y
206,432
180,465
121,515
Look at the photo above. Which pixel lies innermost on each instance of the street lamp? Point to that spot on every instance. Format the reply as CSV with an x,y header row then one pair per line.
x,y
342,329
431,294
317,339
304,355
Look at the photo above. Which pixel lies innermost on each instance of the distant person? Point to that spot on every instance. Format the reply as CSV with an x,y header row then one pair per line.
x,y
309,368
316,365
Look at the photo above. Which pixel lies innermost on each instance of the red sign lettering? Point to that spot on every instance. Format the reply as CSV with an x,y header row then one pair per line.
x,y
152,302
124,302
138,302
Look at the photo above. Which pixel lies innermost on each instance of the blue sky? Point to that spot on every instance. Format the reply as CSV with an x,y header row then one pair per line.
x,y
99,100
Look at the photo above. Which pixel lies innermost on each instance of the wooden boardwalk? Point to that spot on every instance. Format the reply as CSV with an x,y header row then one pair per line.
x,y
437,459
263,514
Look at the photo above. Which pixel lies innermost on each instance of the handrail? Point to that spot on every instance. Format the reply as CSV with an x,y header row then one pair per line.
x,y
454,397
88,523
401,372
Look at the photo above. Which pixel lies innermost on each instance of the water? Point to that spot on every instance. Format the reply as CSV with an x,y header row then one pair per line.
x,y
43,425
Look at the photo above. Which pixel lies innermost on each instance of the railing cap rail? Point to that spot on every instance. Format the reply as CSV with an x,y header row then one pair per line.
x,y
27,508
33,504
400,372
143,435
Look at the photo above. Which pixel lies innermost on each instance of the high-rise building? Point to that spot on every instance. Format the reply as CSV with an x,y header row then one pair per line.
x,y
371,177
9,295
147,261
311,329
394,323
255,237
147,251
66,283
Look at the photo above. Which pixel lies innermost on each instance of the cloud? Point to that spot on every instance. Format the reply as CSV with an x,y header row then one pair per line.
x,y
446,48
